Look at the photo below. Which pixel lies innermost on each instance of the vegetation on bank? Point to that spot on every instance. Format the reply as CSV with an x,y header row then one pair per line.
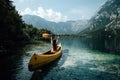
x,y
14,32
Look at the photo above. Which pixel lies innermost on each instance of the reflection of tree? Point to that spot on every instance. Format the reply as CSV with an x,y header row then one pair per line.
x,y
111,45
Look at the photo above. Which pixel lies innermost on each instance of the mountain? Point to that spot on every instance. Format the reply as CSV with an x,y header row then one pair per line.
x,y
69,27
106,22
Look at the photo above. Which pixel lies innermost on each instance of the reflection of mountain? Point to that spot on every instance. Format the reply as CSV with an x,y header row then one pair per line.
x,y
69,27
106,22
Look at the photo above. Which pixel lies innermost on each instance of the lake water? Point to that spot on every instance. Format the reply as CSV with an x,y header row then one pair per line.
x,y
81,60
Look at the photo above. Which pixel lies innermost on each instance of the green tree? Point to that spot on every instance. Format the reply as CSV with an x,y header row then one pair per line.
x,y
13,31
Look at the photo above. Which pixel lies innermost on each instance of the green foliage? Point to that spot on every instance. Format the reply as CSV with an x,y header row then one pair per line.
x,y
11,22
33,33
13,31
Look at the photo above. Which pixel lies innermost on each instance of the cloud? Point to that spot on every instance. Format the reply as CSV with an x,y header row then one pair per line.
x,y
47,14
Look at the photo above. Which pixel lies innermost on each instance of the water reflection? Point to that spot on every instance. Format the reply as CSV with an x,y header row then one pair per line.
x,y
82,59
15,67
111,45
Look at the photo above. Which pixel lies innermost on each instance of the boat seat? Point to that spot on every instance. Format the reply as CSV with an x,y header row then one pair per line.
x,y
53,51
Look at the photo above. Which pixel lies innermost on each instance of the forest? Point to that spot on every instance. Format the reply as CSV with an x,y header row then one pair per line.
x,y
14,32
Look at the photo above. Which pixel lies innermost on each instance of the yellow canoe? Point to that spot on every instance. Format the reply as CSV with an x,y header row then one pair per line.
x,y
40,60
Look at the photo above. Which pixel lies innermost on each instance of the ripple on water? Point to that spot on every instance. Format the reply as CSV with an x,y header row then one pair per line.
x,y
76,63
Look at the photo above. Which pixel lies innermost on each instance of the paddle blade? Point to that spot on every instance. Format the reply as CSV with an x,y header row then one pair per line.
x,y
46,35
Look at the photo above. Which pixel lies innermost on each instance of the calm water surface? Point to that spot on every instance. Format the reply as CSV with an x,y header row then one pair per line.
x,y
79,61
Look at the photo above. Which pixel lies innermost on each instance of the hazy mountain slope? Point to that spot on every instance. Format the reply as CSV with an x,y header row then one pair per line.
x,y
69,27
106,21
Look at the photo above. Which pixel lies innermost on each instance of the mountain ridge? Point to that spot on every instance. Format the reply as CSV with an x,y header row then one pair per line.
x,y
106,21
68,27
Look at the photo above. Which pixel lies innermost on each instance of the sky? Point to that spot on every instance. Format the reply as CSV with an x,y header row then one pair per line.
x,y
59,10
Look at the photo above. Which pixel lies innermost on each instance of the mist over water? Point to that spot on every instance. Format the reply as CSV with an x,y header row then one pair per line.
x,y
80,60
